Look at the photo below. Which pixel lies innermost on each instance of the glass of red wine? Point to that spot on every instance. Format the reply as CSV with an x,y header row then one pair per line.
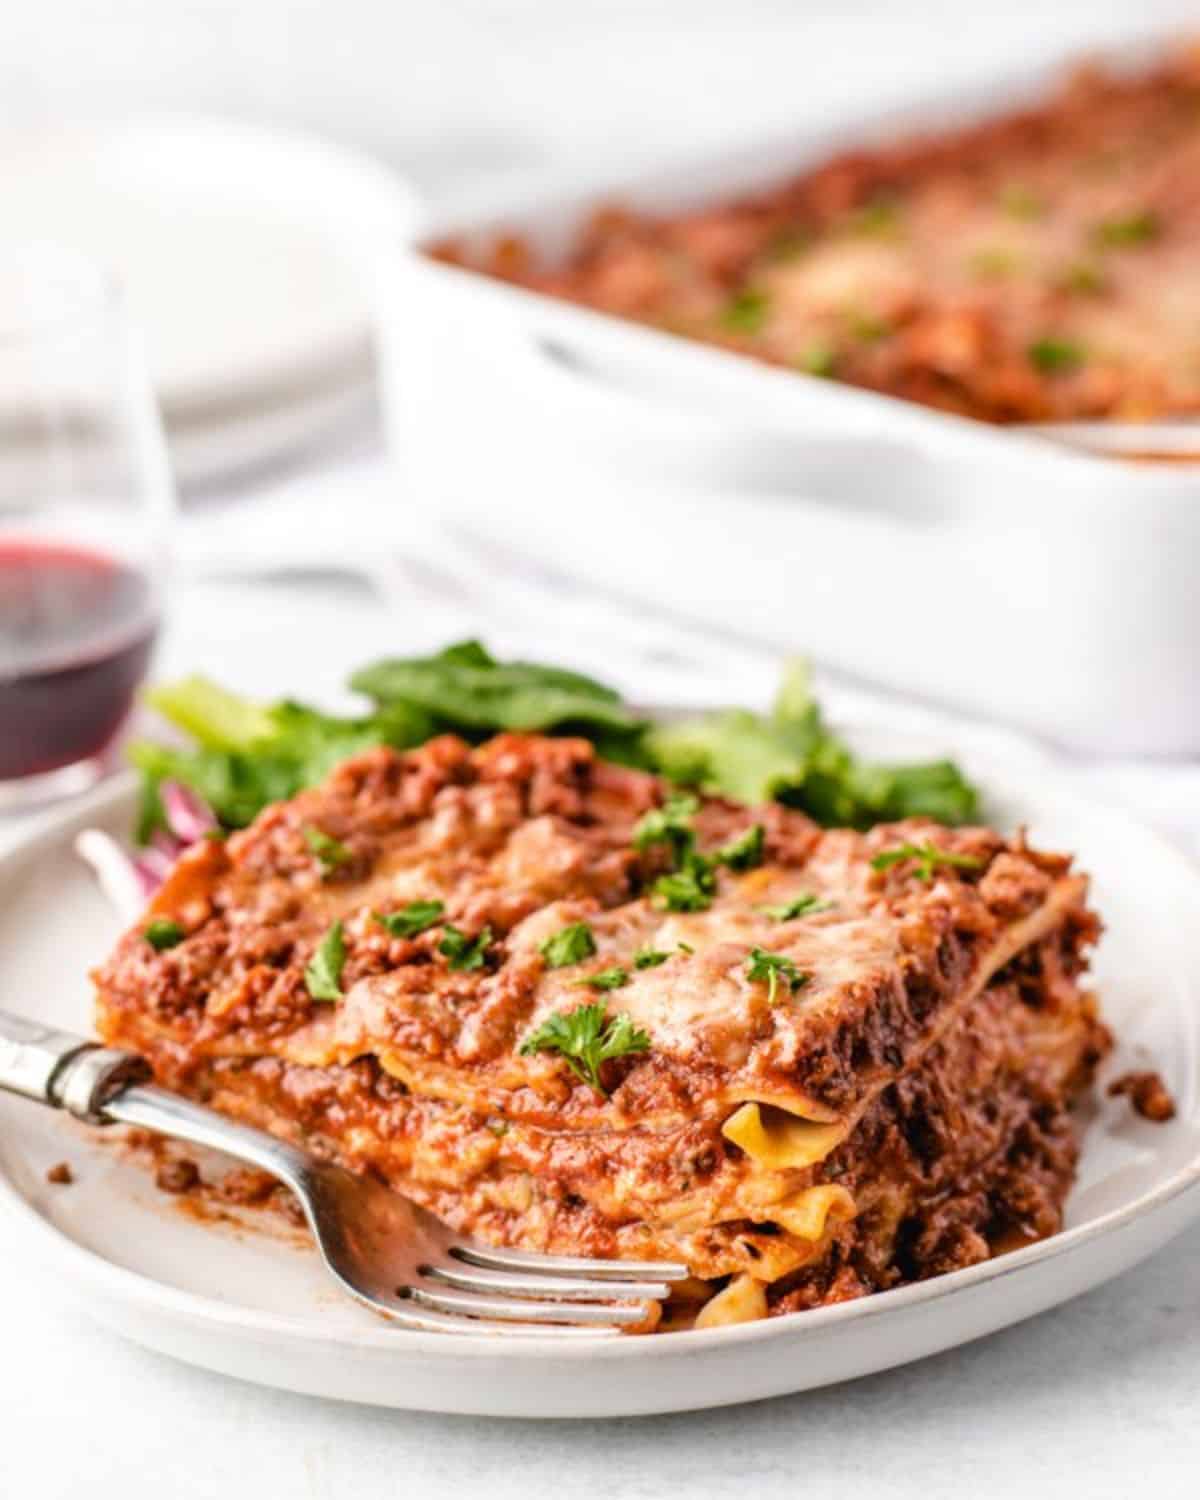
x,y
86,503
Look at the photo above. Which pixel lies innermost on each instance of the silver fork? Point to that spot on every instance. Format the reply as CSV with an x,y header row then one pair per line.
x,y
380,1248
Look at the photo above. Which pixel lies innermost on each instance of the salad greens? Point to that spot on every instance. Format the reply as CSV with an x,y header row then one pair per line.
x,y
243,755
792,756
465,688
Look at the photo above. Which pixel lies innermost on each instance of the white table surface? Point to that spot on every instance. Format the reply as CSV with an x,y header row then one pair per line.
x,y
1099,1398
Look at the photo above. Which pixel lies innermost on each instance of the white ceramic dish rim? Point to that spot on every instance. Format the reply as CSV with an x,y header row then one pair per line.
x,y
133,1288
551,209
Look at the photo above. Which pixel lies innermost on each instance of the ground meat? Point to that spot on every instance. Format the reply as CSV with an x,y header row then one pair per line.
x,y
179,1176
60,1173
246,1185
1147,1093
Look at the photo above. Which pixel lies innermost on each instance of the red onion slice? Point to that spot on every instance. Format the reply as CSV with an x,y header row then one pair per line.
x,y
188,816
126,885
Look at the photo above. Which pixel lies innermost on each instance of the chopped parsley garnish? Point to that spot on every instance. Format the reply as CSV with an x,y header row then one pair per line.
x,y
879,216
1021,203
993,263
1055,356
799,906
1083,279
691,884
745,852
570,945
650,958
1128,229
668,824
329,853
607,979
162,934
411,920
690,888
462,952
927,858
586,1038
323,973
746,312
769,968
790,242
818,359
868,327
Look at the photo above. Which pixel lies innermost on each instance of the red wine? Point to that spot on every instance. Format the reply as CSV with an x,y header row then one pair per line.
x,y
76,631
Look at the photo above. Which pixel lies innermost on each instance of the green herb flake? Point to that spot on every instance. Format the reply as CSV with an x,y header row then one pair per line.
x,y
649,958
868,327
463,953
803,905
1021,202
162,934
1053,355
879,217
927,858
411,920
1082,280
607,979
746,311
323,973
746,851
570,945
586,1038
669,824
690,888
328,852
767,968
818,359
1127,230
993,263
790,243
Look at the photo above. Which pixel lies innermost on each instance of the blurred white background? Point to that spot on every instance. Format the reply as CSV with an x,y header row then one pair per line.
x,y
448,88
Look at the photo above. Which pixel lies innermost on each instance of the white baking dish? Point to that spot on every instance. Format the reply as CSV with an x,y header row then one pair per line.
x,y
976,565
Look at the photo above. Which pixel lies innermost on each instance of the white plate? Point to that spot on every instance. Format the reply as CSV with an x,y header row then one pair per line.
x,y
256,1306
246,254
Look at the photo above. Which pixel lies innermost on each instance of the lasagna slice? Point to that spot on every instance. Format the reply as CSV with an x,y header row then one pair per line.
x,y
565,1008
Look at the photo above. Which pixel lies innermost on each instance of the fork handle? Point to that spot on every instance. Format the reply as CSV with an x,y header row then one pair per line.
x,y
106,1085
61,1069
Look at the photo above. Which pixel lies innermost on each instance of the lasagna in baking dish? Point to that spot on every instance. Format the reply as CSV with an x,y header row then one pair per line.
x,y
1043,265
566,1007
